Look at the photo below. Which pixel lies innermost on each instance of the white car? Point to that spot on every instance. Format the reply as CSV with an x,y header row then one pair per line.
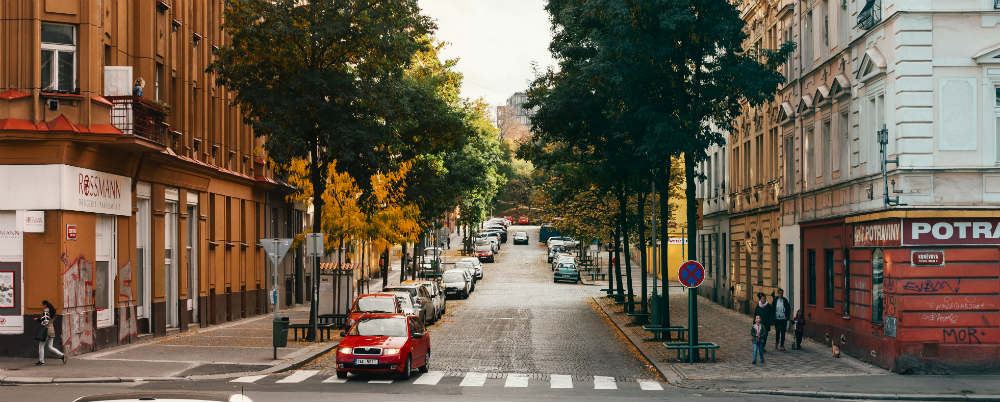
x,y
478,264
471,270
456,282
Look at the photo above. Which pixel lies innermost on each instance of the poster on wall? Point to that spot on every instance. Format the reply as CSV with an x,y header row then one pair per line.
x,y
7,292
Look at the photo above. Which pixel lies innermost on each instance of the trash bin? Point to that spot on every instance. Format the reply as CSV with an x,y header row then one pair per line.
x,y
280,334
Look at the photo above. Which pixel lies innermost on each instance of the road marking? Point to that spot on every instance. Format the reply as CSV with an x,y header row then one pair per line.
x,y
250,379
650,386
603,382
516,380
561,381
429,378
298,376
380,381
473,380
335,380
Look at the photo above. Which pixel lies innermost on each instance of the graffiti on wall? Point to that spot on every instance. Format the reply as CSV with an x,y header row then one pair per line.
x,y
127,329
78,305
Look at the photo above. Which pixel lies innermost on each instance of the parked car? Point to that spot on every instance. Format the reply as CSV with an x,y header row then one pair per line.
x,y
475,261
555,241
562,259
556,250
384,343
406,304
522,220
492,238
476,270
520,237
457,282
422,302
436,291
500,229
429,252
566,271
372,303
484,250
431,269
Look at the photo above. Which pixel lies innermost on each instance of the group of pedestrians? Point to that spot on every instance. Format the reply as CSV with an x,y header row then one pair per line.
x,y
775,314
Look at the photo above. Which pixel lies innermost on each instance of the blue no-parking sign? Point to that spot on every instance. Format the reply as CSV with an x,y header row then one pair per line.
x,y
691,274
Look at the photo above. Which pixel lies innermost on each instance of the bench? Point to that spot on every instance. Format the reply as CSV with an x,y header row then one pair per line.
x,y
338,320
683,349
608,292
598,276
659,332
639,317
325,330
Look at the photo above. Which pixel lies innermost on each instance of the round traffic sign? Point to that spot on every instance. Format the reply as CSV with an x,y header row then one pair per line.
x,y
691,274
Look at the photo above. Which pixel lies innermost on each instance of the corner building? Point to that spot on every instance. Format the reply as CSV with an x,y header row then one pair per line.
x,y
133,215
891,255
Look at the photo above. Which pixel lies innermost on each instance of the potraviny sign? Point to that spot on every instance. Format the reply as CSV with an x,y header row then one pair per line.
x,y
928,232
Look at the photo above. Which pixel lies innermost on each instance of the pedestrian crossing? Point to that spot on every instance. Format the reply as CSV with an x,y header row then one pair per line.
x,y
469,379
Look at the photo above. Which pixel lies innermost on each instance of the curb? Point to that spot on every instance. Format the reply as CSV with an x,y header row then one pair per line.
x,y
858,395
668,374
307,356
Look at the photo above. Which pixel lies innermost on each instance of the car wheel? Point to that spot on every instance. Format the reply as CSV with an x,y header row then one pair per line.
x,y
427,363
341,374
405,375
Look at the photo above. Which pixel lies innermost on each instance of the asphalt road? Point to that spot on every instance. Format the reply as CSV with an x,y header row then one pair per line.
x,y
518,337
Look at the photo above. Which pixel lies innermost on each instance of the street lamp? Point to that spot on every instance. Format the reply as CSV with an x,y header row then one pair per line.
x,y
883,141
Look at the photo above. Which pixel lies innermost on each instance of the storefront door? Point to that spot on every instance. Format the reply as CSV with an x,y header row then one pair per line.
x,y
170,265
192,259
143,258
105,269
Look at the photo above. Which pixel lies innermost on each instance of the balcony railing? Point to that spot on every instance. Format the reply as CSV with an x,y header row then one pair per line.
x,y
135,115
871,14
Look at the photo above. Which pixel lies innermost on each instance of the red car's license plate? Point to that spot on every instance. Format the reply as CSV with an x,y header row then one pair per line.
x,y
366,361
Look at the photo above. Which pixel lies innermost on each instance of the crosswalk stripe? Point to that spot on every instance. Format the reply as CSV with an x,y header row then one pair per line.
x,y
650,386
473,380
516,380
429,378
298,376
380,381
335,380
603,382
561,381
250,379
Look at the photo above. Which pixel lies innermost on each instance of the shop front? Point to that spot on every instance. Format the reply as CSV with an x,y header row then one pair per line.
x,y
917,291
64,234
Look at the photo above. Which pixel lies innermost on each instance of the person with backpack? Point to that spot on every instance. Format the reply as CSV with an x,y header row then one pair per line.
x,y
46,333
782,312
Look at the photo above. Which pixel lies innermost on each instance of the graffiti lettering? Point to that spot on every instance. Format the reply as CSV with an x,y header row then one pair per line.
x,y
961,335
932,286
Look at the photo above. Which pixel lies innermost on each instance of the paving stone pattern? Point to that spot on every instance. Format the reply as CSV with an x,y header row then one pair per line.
x,y
731,331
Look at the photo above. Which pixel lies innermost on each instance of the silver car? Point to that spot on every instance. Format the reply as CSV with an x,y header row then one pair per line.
x,y
476,263
471,270
436,291
457,282
406,303
422,303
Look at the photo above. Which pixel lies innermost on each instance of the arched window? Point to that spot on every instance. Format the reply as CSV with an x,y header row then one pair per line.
x,y
878,268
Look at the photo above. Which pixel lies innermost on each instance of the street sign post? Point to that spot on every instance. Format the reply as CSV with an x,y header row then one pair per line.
x,y
276,250
691,274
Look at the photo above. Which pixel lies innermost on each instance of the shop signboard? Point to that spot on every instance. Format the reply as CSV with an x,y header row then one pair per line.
x,y
65,187
927,258
928,232
877,234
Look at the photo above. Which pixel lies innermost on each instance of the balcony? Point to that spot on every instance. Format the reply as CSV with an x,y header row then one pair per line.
x,y
135,115
871,14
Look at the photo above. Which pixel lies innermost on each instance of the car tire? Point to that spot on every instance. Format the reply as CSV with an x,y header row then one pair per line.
x,y
427,363
341,374
407,369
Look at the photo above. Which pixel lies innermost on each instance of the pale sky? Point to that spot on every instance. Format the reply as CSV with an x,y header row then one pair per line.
x,y
495,41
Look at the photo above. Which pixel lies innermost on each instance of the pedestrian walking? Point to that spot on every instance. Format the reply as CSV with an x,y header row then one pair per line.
x,y
800,327
449,242
758,336
765,311
782,311
46,333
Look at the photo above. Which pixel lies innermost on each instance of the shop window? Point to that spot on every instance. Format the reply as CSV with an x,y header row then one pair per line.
x,y
58,57
170,260
878,268
847,283
828,278
142,255
104,266
811,260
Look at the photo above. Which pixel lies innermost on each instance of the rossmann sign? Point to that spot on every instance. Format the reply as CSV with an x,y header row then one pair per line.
x,y
928,232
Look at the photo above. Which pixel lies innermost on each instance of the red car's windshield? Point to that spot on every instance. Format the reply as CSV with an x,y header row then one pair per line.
x,y
374,305
379,327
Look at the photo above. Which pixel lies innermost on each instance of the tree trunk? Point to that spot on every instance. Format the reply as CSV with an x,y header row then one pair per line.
x,y
623,209
611,268
642,251
318,180
618,262
665,217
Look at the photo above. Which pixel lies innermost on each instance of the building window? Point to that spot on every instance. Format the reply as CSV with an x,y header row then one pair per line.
x,y
996,116
759,172
811,296
142,254
760,261
106,242
774,262
878,267
157,79
810,159
790,271
58,57
828,278
724,246
824,166
807,45
789,152
826,25
842,141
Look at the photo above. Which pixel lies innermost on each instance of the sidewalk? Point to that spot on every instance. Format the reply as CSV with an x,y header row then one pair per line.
x,y
233,348
810,372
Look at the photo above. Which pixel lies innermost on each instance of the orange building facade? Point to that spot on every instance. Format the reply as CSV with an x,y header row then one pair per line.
x,y
133,213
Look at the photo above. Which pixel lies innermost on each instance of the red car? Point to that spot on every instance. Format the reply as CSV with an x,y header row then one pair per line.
x,y
522,220
384,343
373,303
